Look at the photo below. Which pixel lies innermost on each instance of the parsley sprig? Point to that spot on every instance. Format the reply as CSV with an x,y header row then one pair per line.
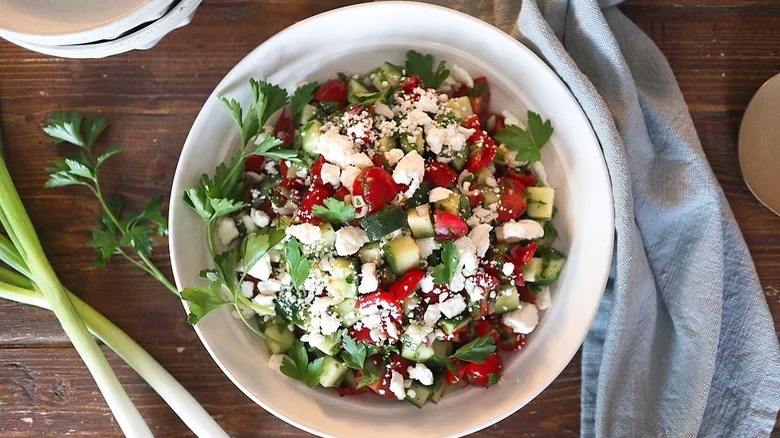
x,y
127,234
298,265
527,144
334,211
296,364
476,351
300,98
443,273
422,66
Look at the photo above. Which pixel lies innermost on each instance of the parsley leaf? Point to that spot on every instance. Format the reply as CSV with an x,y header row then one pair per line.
x,y
334,211
269,98
65,126
369,375
272,147
248,126
476,351
422,66
365,97
443,273
354,354
257,245
527,145
296,365
202,301
297,264
301,97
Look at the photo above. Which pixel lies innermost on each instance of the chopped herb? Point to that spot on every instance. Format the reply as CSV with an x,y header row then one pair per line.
x,y
476,351
443,273
527,145
296,365
335,211
422,66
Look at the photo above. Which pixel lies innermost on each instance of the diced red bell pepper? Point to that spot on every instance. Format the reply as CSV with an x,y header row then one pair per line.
x,y
439,174
332,90
406,285
448,226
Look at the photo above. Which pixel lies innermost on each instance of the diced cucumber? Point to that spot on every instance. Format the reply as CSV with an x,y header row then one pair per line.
x,y
459,159
410,304
309,112
420,196
460,106
387,143
489,196
354,87
449,204
417,394
328,239
441,353
402,254
341,267
420,354
550,234
333,372
329,345
347,312
540,202
553,264
370,253
412,142
350,379
278,337
438,390
450,326
310,136
483,174
383,222
387,75
419,219
532,269
341,289
508,299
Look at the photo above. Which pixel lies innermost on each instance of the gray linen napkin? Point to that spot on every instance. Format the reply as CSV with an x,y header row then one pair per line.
x,y
683,343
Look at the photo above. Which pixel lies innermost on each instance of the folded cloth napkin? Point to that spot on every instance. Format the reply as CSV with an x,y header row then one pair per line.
x,y
683,343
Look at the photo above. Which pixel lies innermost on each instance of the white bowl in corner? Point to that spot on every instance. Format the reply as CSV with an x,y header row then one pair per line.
x,y
318,48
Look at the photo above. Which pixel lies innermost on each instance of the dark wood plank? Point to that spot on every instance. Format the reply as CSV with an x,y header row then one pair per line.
x,y
153,96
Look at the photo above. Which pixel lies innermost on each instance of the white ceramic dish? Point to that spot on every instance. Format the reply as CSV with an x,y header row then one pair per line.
x,y
316,49
65,22
143,38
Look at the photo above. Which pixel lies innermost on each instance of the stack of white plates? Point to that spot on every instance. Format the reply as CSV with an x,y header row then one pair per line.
x,y
91,28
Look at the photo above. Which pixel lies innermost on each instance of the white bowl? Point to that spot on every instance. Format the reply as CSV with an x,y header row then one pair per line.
x,y
64,22
141,39
316,49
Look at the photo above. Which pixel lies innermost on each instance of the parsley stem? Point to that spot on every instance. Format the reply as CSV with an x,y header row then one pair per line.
x,y
15,287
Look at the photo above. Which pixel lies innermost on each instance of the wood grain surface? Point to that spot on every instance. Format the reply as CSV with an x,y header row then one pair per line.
x,y
720,50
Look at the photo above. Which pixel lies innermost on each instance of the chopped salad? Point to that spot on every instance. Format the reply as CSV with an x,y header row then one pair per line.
x,y
385,233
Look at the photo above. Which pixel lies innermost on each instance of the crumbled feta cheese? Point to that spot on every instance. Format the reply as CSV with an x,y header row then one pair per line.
x,y
368,281
421,373
349,240
269,287
543,298
329,323
266,301
426,246
260,218
248,289
415,335
393,156
525,229
439,194
523,320
361,160
426,284
432,315
307,234
330,174
335,147
508,268
461,75
392,330
320,305
227,230
275,363
480,235
538,168
348,176
417,117
449,135
397,385
467,253
383,110
249,224
458,282
262,270
453,306
410,171
510,119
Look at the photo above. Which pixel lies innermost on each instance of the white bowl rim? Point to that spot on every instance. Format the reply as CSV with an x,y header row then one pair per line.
x,y
148,10
179,186
143,38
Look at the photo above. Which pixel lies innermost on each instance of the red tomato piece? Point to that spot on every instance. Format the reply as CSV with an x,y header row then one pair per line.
x,y
484,374
525,180
526,295
513,199
522,254
316,171
485,328
362,335
448,226
406,285
487,281
254,163
346,392
413,82
457,372
472,122
508,339
332,90
381,299
396,364
475,198
439,174
284,129
480,97
482,153
316,196
499,123
341,193
376,186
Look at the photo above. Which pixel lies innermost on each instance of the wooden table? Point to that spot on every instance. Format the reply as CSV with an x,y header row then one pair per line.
x,y
721,51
